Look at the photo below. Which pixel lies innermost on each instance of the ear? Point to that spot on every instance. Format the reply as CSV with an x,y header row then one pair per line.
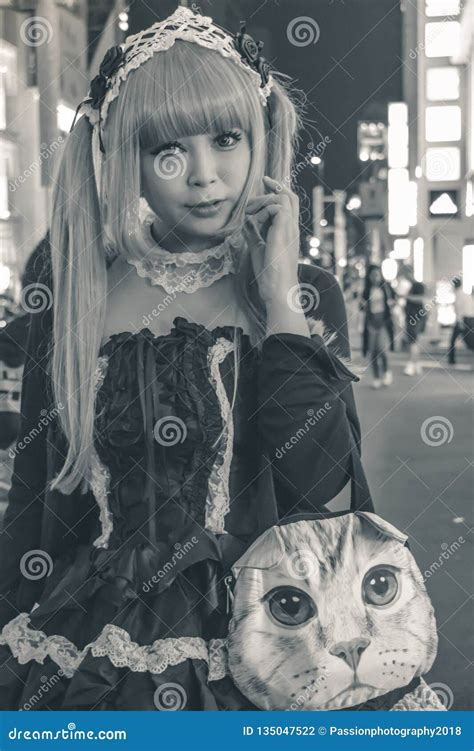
x,y
383,526
266,552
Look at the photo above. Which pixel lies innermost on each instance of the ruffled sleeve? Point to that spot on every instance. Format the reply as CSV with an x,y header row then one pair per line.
x,y
307,415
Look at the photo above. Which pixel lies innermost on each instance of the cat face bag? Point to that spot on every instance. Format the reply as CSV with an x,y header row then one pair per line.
x,y
330,612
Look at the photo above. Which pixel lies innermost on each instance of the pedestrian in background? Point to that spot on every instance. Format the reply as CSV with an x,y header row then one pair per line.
x,y
415,321
463,325
377,300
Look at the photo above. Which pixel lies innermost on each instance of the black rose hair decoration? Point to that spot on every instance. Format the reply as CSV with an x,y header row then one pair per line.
x,y
249,50
113,59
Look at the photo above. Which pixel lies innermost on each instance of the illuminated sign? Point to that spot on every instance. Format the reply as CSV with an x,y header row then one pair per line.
x,y
443,203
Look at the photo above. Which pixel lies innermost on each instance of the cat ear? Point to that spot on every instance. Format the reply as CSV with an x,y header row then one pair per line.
x,y
266,552
383,526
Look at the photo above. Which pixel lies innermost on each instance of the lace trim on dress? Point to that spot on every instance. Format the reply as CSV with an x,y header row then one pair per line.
x,y
218,499
422,698
201,269
99,474
113,642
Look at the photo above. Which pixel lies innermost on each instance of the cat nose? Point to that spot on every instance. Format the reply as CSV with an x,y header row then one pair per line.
x,y
350,651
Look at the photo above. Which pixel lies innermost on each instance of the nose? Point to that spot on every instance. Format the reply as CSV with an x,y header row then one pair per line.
x,y
350,651
202,167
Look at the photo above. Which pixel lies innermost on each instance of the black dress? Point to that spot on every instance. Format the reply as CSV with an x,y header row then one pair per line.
x,y
117,598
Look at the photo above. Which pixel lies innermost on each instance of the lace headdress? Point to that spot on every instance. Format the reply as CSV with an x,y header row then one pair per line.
x,y
185,24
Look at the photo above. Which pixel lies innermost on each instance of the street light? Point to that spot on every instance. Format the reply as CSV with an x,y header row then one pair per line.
x,y
354,203
389,269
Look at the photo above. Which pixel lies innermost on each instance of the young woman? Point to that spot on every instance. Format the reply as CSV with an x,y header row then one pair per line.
x,y
171,383
377,301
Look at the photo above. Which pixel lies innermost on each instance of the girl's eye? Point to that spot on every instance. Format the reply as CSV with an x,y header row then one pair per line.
x,y
380,586
168,147
290,606
233,135
225,140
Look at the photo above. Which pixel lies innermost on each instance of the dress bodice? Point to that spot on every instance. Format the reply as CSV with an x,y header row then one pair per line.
x,y
169,448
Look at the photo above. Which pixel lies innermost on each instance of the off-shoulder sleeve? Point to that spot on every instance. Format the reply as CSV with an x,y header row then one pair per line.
x,y
307,414
22,521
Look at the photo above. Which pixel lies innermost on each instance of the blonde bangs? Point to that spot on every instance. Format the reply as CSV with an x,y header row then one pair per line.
x,y
210,94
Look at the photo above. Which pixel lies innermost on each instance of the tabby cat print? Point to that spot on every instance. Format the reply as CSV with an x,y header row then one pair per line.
x,y
328,614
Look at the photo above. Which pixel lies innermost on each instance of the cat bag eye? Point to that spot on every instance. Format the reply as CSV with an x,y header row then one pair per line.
x,y
330,612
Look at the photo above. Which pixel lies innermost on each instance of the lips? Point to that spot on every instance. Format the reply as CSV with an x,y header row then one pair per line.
x,y
203,204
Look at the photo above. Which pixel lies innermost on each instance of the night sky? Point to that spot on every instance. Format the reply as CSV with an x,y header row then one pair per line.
x,y
353,66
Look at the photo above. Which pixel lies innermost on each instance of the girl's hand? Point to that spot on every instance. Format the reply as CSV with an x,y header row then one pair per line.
x,y
275,263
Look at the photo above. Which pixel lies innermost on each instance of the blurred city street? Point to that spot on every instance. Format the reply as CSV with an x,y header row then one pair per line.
x,y
426,490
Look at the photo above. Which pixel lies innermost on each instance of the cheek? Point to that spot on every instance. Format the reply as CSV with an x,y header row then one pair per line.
x,y
243,165
166,192
236,168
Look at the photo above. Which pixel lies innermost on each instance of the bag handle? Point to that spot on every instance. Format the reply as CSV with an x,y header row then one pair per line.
x,y
267,511
361,499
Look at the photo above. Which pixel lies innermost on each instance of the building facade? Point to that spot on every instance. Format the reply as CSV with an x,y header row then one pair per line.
x,y
438,95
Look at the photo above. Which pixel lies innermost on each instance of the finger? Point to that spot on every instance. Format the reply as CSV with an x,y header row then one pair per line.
x,y
266,213
257,203
254,230
280,188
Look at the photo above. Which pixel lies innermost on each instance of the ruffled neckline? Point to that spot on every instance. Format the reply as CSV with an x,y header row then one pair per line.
x,y
179,324
185,257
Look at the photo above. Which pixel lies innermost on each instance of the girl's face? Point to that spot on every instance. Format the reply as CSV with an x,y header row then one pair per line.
x,y
199,169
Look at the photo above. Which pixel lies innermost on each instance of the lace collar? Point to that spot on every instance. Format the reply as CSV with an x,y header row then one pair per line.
x,y
187,271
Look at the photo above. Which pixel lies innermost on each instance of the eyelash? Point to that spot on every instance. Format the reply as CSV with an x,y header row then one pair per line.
x,y
175,144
